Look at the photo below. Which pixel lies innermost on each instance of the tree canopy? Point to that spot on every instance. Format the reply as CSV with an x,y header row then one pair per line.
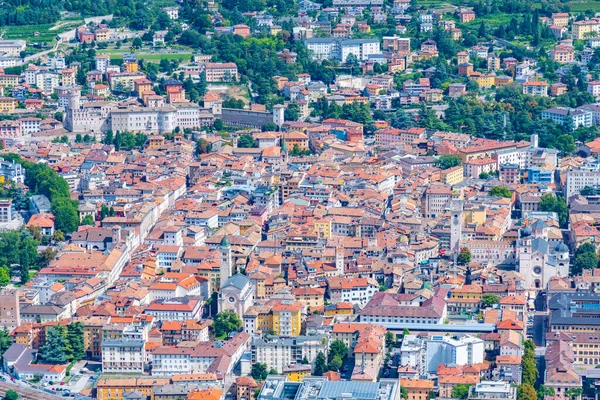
x,y
226,322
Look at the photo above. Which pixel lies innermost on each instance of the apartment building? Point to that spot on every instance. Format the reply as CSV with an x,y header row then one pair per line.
x,y
221,72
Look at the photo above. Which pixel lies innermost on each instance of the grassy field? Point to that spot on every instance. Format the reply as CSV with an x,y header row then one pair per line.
x,y
584,5
46,33
153,57
27,33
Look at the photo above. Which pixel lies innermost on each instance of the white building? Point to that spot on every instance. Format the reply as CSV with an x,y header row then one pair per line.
x,y
577,179
172,12
341,48
493,390
561,115
540,257
361,48
12,47
458,350
278,353
123,355
30,125
411,352
351,290
102,62
47,81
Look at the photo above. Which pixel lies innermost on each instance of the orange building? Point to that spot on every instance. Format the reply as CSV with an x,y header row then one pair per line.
x,y
417,389
294,138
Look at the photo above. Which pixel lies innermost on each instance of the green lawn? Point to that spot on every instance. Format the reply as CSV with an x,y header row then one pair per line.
x,y
45,34
154,57
584,5
27,32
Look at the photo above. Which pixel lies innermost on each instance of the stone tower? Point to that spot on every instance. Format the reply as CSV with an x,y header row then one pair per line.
x,y
226,263
456,225
339,260
278,115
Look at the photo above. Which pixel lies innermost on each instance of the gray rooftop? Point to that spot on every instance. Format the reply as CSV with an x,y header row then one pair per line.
x,y
237,280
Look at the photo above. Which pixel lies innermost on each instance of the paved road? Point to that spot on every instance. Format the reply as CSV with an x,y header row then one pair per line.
x,y
540,325
25,393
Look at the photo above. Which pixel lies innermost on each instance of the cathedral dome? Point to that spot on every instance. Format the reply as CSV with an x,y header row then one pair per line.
x,y
561,248
225,242
526,232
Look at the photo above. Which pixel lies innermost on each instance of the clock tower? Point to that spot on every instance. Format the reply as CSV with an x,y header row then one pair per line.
x,y
456,225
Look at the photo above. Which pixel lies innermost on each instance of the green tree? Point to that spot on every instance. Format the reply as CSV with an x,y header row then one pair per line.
x,y
87,220
203,146
58,236
226,322
246,141
573,393
565,144
588,260
270,127
528,364
544,391
448,161
403,393
549,202
292,112
525,391
4,276
500,191
46,256
11,395
390,338
66,214
75,339
335,364
464,257
54,351
320,366
337,348
218,124
488,300
5,340
103,212
460,391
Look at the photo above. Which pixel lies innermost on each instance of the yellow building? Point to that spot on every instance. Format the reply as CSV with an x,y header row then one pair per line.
x,y
502,80
475,216
462,57
68,77
9,80
130,66
212,272
453,176
287,318
142,85
154,142
125,80
485,80
585,29
102,35
471,292
92,335
310,296
7,105
323,228
296,373
339,309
